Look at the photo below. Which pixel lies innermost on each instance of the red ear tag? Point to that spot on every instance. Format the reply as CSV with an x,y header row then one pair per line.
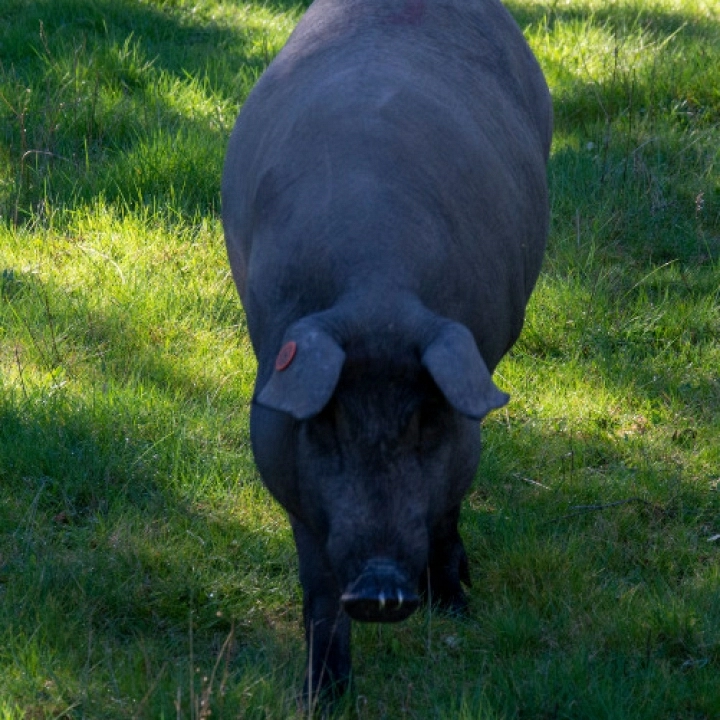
x,y
286,355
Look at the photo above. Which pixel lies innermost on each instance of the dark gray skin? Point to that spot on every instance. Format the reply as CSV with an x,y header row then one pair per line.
x,y
385,212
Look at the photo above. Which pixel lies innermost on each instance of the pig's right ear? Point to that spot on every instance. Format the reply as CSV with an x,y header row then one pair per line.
x,y
455,363
307,369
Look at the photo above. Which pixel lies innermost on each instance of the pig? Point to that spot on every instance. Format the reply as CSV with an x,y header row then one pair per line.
x,y
385,211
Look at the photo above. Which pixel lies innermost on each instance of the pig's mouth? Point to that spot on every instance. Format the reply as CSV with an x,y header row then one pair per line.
x,y
381,593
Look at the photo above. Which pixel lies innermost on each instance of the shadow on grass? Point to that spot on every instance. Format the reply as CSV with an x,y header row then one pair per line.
x,y
72,334
619,17
126,540
83,114
113,531
650,82
94,125
109,556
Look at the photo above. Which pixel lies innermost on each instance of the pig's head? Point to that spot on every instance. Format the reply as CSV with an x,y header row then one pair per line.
x,y
379,441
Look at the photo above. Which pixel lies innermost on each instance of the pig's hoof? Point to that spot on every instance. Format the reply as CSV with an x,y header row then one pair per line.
x,y
456,605
324,701
447,597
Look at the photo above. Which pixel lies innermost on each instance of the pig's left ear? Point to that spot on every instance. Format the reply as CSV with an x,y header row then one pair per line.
x,y
306,371
453,360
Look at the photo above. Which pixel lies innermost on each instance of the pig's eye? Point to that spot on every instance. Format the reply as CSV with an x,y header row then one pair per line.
x,y
432,418
323,432
321,443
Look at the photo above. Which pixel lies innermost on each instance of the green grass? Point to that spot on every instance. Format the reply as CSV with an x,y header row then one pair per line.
x,y
144,570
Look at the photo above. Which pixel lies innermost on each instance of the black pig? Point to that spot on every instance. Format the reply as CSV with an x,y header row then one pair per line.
x,y
385,211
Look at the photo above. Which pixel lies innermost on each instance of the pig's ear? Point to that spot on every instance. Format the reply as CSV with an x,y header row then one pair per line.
x,y
453,360
306,372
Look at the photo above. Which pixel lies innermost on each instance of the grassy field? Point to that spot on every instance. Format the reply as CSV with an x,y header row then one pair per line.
x,y
144,570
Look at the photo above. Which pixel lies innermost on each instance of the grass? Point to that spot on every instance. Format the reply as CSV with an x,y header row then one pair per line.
x,y
144,570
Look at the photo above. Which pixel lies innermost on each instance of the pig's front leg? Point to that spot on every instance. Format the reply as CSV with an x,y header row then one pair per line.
x,y
447,567
327,626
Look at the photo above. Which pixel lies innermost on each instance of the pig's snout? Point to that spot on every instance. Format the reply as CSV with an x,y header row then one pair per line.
x,y
382,593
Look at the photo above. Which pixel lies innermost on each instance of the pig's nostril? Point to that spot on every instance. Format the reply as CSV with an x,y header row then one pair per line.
x,y
380,594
